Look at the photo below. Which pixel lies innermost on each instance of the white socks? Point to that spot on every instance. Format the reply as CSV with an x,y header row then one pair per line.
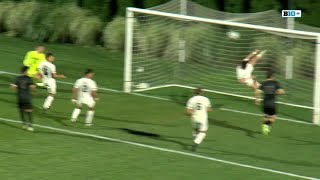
x,y
199,138
75,114
89,117
47,102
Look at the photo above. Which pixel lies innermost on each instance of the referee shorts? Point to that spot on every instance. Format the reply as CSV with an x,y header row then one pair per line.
x,y
24,105
269,111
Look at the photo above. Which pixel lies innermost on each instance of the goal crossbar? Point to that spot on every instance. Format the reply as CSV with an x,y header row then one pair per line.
x,y
313,35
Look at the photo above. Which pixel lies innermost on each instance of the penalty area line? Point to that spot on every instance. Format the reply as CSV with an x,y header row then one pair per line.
x,y
164,150
254,114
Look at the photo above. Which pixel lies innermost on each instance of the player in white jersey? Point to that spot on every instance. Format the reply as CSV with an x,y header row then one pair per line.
x,y
84,92
48,73
198,107
245,69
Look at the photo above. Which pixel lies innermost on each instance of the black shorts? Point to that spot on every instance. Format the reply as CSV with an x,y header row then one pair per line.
x,y
269,111
24,105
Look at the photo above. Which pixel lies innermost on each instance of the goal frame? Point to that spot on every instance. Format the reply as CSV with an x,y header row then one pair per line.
x,y
127,86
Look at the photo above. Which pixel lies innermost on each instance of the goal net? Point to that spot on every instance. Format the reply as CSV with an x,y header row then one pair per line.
x,y
173,50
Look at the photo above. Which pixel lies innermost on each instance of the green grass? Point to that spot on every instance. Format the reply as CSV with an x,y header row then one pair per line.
x,y
235,137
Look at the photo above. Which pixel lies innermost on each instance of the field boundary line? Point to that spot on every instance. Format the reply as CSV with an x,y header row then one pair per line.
x,y
255,114
163,149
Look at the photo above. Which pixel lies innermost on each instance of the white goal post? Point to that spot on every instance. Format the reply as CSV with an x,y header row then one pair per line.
x,y
129,83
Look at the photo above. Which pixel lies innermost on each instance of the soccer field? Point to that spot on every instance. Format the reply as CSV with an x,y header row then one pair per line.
x,y
144,136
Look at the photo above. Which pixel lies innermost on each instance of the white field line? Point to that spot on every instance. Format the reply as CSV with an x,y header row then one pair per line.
x,y
165,99
254,114
100,88
164,150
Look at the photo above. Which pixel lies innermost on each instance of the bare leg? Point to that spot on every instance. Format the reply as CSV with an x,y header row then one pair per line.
x,y
256,93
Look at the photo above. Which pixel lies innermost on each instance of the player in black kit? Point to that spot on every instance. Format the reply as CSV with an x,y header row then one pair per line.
x,y
22,85
271,88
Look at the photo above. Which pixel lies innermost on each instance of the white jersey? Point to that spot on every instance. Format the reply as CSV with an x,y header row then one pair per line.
x,y
85,87
47,69
199,105
245,73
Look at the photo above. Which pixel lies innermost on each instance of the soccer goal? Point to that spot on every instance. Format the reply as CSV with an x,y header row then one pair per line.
x,y
177,50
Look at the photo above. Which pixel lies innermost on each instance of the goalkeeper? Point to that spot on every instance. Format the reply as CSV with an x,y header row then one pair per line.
x,y
244,73
32,60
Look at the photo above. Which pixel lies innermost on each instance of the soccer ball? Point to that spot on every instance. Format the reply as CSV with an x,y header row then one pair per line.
x,y
140,69
142,85
233,35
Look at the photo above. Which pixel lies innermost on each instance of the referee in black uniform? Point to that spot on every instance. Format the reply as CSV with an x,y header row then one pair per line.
x,y
22,85
271,88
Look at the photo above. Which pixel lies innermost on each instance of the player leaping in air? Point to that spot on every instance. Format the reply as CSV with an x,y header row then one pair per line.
x,y
33,59
244,72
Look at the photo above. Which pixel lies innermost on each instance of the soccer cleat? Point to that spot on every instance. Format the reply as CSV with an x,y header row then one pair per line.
x,y
45,109
88,124
24,126
73,120
194,147
265,129
30,129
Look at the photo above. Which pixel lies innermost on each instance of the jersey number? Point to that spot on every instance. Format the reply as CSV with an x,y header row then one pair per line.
x,y
84,88
198,106
45,71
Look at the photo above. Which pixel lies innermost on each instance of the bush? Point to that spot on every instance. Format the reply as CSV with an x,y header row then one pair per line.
x,y
37,29
63,22
71,24
21,16
114,34
276,51
153,39
43,22
4,9
89,31
303,59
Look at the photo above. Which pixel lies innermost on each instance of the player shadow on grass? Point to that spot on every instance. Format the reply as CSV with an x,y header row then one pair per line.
x,y
11,152
11,125
265,158
225,124
130,121
156,137
57,116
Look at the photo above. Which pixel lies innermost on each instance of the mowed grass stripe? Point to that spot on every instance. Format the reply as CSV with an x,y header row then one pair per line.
x,y
164,150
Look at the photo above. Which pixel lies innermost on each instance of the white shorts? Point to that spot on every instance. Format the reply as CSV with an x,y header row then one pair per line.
x,y
87,101
249,82
200,125
51,86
